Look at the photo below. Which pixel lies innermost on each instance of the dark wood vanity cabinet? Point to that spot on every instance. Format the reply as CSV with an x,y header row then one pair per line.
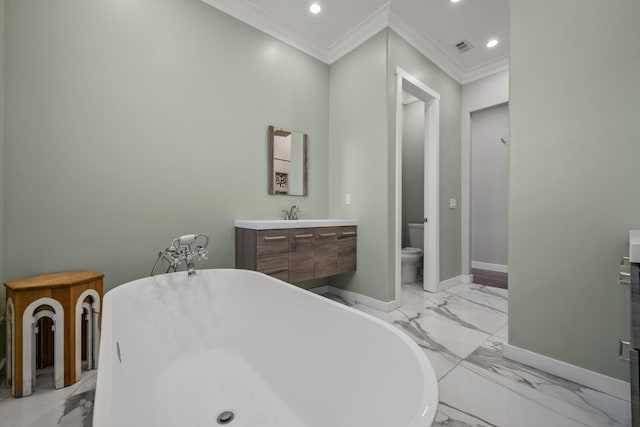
x,y
326,256
347,237
273,253
301,254
297,254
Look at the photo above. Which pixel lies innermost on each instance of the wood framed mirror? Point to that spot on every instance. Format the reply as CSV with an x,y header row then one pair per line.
x,y
287,162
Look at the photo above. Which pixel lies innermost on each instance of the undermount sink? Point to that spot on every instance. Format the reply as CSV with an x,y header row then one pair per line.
x,y
634,246
272,224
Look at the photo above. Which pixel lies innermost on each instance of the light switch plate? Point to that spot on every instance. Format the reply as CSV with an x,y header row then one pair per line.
x,y
453,203
347,199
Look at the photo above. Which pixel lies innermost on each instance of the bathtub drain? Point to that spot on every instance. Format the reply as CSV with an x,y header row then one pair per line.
x,y
226,417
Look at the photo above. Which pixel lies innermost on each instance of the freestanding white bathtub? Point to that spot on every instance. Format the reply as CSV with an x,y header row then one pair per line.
x,y
179,352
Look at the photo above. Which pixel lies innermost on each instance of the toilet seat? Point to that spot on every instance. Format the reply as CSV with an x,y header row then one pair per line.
x,y
411,251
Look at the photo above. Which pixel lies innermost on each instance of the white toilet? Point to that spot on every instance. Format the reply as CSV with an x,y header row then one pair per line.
x,y
412,256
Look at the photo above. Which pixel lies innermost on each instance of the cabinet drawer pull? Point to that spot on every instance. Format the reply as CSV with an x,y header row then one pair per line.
x,y
327,234
349,233
303,236
282,270
275,237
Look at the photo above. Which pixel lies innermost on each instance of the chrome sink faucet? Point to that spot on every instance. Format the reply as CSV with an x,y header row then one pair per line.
x,y
291,214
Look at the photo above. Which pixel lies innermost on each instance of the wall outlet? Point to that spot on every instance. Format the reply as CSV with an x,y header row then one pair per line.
x,y
347,199
453,203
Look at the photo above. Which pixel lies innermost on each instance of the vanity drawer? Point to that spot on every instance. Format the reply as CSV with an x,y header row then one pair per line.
x,y
326,256
347,249
273,253
301,254
297,254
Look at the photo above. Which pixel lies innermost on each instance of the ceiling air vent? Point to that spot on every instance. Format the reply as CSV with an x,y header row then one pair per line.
x,y
464,46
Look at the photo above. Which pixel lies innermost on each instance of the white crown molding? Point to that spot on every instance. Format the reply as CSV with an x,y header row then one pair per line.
x,y
386,16
264,21
424,44
362,32
483,70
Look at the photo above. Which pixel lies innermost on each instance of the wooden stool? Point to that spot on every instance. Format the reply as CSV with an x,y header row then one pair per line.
x,y
62,297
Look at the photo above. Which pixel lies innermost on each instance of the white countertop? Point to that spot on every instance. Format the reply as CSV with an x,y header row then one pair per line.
x,y
634,246
272,224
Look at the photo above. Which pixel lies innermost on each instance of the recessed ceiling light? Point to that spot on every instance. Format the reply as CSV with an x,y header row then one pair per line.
x,y
455,1
492,43
315,8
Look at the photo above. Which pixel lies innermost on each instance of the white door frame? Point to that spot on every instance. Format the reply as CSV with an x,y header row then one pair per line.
x,y
408,83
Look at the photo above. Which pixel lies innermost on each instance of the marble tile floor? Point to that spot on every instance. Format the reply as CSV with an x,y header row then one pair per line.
x,y
47,407
461,330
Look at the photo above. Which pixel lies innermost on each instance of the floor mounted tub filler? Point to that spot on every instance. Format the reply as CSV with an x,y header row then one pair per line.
x,y
239,348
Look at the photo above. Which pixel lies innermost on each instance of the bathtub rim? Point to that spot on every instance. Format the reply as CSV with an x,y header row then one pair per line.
x,y
424,416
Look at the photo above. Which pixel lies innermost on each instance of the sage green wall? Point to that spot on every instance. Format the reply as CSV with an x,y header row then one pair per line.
x,y
362,157
358,161
575,145
412,167
402,54
132,122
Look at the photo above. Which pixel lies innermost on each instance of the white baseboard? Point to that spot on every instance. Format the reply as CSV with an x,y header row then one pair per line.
x,y
454,281
586,377
491,267
356,298
320,289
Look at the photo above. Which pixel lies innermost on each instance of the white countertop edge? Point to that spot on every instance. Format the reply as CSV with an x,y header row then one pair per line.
x,y
634,246
298,223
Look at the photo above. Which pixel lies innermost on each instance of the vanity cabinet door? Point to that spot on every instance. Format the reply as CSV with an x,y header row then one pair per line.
x,y
347,248
273,253
301,254
326,256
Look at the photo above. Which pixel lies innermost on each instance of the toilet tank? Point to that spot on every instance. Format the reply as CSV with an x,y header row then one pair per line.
x,y
416,236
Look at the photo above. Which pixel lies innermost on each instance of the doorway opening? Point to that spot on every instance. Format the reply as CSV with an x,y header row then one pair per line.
x,y
489,195
430,111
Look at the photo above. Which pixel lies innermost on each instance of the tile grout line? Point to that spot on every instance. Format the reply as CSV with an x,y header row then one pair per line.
x,y
473,351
